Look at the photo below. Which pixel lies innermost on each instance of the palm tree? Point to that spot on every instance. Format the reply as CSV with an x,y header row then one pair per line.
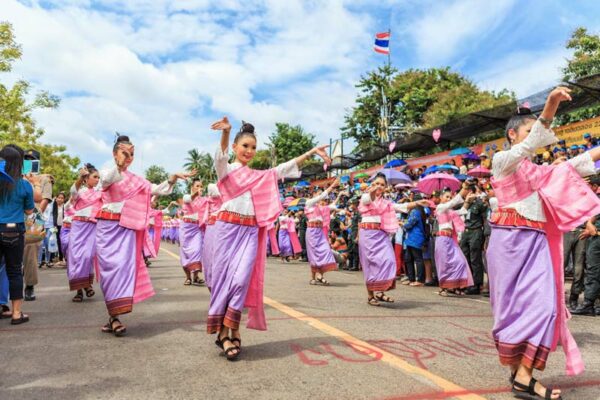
x,y
201,162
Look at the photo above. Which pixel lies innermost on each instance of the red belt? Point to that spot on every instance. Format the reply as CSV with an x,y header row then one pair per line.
x,y
370,225
78,218
211,220
238,219
108,215
190,220
510,217
315,224
66,225
444,233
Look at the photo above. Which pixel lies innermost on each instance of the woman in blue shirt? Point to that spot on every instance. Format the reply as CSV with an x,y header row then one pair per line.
x,y
16,200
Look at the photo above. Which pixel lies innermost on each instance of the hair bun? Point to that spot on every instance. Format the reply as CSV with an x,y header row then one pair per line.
x,y
122,139
523,111
89,166
247,128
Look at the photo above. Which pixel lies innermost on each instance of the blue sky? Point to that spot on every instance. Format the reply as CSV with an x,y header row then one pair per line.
x,y
162,71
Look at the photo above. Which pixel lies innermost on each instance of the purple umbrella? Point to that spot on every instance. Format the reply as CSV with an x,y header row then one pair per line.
x,y
393,177
471,156
438,181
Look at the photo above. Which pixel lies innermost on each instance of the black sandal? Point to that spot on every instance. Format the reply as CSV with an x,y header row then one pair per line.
x,y
229,353
89,292
119,331
5,313
198,281
373,302
78,298
239,343
21,320
187,282
527,392
219,342
382,297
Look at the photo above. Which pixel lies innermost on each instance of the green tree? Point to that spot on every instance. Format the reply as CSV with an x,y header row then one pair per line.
x,y
585,62
17,125
262,160
156,174
203,163
413,99
290,141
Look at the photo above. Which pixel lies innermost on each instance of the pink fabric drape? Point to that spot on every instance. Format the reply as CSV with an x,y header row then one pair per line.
x,y
265,195
568,202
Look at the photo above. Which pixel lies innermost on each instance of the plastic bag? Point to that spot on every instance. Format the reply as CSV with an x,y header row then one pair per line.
x,y
53,243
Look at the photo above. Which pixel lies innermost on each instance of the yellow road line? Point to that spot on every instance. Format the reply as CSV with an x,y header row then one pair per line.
x,y
387,357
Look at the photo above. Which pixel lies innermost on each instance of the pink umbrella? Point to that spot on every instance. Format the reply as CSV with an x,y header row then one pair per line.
x,y
480,172
288,200
404,185
438,181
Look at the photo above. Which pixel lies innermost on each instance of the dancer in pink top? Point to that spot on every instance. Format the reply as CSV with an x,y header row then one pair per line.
x,y
536,204
250,206
120,234
85,201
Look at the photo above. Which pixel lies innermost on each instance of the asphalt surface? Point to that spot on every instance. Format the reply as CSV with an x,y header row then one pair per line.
x,y
322,343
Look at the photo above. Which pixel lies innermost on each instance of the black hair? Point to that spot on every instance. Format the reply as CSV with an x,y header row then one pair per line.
x,y
13,155
121,139
246,129
380,175
91,169
520,118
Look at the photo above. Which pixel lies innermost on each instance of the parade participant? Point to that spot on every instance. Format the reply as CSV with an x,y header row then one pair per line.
x,y
120,232
86,202
453,271
375,247
289,244
66,230
536,203
191,235
250,205
320,255
155,232
214,205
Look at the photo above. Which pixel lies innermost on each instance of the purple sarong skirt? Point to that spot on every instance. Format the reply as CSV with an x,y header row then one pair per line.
x,y
318,250
190,252
377,259
285,244
522,295
82,254
64,241
451,264
234,254
116,252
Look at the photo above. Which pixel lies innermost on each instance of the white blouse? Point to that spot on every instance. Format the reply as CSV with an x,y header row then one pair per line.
x,y
243,204
84,212
443,207
113,175
507,162
314,201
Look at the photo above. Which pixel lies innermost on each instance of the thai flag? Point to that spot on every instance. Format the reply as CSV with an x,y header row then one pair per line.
x,y
382,43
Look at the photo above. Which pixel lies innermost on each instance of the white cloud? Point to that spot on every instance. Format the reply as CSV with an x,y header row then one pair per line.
x,y
445,28
525,72
161,70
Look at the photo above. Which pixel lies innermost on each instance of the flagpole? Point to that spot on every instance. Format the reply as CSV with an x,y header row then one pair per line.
x,y
389,47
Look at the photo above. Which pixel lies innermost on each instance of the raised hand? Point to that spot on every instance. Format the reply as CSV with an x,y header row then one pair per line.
x,y
83,172
320,151
560,94
221,125
423,203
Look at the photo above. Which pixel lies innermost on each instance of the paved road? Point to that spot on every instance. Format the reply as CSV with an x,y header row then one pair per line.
x,y
322,343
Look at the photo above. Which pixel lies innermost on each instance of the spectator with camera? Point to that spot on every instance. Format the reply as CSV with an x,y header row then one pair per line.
x,y
16,201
